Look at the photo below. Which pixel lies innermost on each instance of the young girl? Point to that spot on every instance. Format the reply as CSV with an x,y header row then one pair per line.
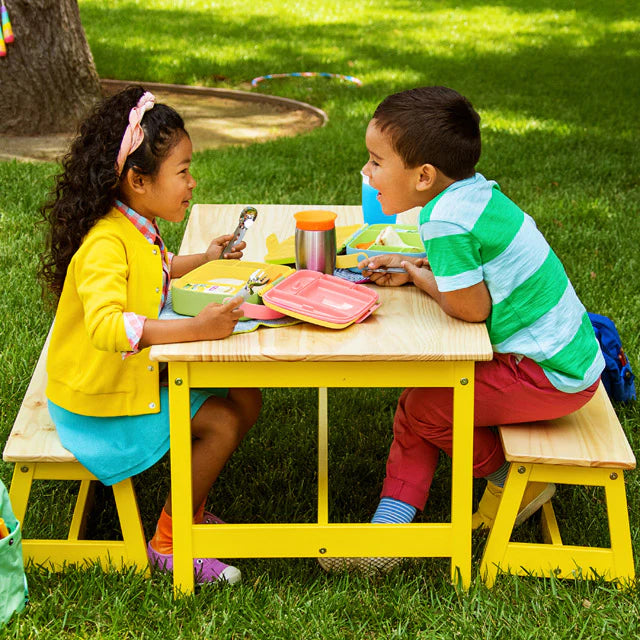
x,y
107,264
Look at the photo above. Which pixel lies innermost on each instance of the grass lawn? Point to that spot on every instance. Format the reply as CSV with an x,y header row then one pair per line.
x,y
556,84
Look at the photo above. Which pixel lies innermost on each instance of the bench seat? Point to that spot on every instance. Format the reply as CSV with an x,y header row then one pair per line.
x,y
33,445
587,447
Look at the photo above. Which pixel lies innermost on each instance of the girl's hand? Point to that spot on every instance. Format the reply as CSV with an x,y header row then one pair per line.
x,y
214,250
217,321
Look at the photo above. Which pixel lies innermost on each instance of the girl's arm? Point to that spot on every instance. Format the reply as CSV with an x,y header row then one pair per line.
x,y
183,264
213,322
101,272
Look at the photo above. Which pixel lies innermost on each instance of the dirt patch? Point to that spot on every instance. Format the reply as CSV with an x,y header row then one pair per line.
x,y
213,117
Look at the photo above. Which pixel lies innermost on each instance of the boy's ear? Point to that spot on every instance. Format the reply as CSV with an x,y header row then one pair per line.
x,y
427,177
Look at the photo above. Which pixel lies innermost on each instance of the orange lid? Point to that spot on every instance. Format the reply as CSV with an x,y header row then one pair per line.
x,y
315,220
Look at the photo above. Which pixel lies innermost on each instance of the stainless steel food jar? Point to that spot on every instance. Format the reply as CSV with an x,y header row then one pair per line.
x,y
315,241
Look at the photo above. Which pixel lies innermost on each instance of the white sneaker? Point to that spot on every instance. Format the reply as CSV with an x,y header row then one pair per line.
x,y
368,566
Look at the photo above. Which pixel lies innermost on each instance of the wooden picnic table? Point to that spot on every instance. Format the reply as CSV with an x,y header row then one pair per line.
x,y
408,341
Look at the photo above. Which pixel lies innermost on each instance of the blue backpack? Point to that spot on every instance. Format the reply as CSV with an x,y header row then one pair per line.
x,y
617,376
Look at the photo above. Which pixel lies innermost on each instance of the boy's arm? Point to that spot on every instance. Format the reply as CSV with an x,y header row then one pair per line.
x,y
472,304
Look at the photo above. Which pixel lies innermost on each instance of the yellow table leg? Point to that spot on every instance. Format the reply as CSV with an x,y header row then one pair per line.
x,y
323,457
462,477
181,491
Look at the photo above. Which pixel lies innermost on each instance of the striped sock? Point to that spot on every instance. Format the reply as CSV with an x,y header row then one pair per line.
x,y
499,477
393,511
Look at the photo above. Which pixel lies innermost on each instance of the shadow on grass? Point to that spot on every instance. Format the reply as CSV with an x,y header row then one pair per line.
x,y
566,75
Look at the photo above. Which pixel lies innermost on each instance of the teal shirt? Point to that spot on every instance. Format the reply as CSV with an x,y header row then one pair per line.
x,y
473,232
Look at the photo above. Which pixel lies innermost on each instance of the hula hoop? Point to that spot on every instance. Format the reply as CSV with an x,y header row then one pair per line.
x,y
306,74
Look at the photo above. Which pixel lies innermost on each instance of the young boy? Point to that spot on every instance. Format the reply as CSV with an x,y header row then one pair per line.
x,y
487,262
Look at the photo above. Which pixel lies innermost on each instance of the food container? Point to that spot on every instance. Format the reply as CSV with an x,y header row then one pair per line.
x,y
321,299
307,295
362,243
315,241
220,280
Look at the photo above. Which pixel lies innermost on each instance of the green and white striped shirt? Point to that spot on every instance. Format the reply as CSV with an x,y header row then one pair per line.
x,y
473,232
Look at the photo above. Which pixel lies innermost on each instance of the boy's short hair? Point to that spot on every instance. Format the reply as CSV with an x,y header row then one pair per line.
x,y
432,125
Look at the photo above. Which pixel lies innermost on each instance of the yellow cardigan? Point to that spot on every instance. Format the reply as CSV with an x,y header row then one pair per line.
x,y
115,270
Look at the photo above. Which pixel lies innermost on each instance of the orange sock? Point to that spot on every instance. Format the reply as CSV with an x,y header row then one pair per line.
x,y
197,519
162,540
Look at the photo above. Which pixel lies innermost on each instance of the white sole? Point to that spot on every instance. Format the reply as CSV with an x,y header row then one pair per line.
x,y
536,503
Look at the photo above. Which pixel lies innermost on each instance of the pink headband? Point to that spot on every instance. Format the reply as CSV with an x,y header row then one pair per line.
x,y
134,135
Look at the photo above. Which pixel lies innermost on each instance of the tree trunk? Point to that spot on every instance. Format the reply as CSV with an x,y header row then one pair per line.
x,y
48,80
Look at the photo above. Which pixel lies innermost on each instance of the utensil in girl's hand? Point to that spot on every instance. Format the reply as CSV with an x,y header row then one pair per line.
x,y
258,278
247,217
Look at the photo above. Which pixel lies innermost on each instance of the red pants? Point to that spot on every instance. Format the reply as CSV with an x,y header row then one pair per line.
x,y
506,392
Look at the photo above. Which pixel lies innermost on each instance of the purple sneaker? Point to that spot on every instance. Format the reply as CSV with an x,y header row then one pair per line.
x,y
205,569
209,518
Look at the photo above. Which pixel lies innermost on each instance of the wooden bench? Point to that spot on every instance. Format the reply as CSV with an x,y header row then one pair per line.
x,y
33,445
587,447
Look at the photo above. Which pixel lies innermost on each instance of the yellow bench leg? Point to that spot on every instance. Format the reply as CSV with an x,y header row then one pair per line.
x,y
550,529
498,539
73,550
81,511
618,515
135,546
553,557
21,489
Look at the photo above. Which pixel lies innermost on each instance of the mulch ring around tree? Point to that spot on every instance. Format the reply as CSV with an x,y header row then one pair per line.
x,y
213,117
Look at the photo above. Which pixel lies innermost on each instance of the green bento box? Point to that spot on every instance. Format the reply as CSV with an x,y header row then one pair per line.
x,y
363,242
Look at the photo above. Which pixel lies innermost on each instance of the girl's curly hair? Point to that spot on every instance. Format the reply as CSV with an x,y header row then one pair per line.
x,y
89,182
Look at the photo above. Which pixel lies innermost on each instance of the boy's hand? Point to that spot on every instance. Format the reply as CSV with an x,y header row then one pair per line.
x,y
219,320
386,261
420,273
214,250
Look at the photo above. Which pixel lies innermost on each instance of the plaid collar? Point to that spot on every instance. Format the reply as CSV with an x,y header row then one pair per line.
x,y
145,226
151,232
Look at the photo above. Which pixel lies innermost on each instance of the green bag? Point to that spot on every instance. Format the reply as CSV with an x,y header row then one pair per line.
x,y
13,582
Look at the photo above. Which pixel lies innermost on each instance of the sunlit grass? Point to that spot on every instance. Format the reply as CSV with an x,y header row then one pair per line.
x,y
519,123
297,33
